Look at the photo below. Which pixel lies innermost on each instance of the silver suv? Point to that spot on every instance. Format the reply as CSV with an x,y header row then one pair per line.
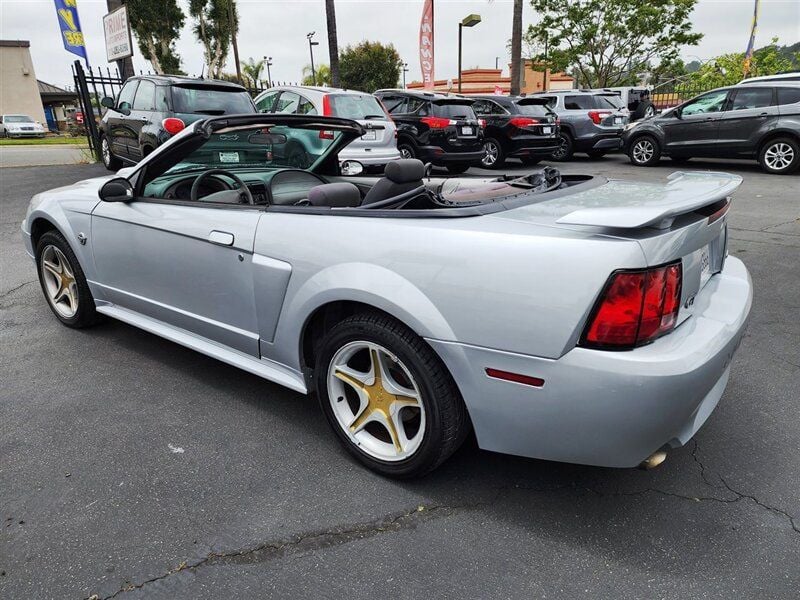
x,y
591,122
376,148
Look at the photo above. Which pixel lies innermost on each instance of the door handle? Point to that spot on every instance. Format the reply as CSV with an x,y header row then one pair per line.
x,y
144,119
222,238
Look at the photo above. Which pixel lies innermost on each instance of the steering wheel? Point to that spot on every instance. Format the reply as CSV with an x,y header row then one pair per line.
x,y
244,191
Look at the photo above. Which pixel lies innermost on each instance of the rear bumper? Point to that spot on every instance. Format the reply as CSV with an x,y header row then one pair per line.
x,y
372,157
604,408
440,156
523,146
600,141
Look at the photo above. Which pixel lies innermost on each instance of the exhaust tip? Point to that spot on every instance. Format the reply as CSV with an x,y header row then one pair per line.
x,y
654,460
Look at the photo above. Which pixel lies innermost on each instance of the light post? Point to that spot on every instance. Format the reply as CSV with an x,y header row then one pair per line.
x,y
311,45
268,63
405,70
468,21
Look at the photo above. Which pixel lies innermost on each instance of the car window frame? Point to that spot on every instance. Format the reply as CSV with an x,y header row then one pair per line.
x,y
786,89
273,94
725,103
152,97
134,83
278,99
735,93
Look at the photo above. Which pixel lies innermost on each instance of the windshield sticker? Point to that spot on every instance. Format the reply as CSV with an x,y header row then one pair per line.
x,y
229,157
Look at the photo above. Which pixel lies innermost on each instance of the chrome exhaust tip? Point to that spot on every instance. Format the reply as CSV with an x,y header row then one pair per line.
x,y
654,460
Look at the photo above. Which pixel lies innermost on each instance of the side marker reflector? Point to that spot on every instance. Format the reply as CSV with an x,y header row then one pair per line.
x,y
515,377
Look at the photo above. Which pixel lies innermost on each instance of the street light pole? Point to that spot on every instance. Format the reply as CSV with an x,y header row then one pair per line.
x,y
405,70
311,45
468,21
268,63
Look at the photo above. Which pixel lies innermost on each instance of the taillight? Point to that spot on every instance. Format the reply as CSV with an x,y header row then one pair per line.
x,y
437,122
482,123
596,116
325,134
326,105
635,308
173,125
523,121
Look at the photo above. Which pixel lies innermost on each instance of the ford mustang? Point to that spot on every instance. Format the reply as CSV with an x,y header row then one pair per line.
x,y
563,317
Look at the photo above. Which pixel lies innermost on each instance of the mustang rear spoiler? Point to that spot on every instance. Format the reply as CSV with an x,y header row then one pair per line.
x,y
683,193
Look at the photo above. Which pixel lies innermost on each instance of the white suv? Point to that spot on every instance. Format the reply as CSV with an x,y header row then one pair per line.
x,y
376,148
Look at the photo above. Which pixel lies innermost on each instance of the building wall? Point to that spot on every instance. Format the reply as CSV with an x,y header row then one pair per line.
x,y
487,81
19,91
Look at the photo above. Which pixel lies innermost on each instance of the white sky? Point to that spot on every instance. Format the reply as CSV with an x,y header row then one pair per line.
x,y
278,29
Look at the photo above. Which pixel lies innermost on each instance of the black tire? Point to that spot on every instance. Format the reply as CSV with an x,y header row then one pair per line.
x,y
446,420
111,162
644,151
86,314
458,168
596,153
566,147
645,110
530,161
495,156
784,151
407,149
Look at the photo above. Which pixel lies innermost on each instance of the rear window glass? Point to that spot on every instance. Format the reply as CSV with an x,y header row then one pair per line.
x,y
355,106
533,110
207,101
788,95
591,101
453,111
609,101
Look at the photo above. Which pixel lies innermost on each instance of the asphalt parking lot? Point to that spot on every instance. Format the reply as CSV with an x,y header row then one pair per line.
x,y
132,467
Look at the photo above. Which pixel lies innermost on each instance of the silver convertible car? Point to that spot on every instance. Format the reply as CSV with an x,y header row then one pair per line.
x,y
563,317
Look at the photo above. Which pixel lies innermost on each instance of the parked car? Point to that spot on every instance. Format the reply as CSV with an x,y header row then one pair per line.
x,y
515,127
777,77
565,317
757,121
435,128
20,126
150,109
637,99
591,122
378,145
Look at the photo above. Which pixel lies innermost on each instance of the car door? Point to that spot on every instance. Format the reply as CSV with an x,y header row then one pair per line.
x,y
119,131
692,130
188,265
751,112
141,116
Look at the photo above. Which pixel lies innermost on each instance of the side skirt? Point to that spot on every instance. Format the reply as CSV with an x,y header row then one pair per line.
x,y
269,370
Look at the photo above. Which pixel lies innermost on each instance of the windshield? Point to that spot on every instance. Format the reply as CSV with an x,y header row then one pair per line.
x,y
454,111
17,119
355,106
261,147
211,101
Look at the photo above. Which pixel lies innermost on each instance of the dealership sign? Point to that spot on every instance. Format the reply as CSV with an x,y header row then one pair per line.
x,y
70,25
118,34
426,45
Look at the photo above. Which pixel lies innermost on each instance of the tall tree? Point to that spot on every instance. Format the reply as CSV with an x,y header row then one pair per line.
x,y
322,71
333,42
157,24
214,29
516,48
369,66
251,71
606,41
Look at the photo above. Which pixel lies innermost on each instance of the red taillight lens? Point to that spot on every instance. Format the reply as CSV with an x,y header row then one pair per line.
x,y
597,116
636,308
523,121
437,122
325,134
482,123
173,125
326,105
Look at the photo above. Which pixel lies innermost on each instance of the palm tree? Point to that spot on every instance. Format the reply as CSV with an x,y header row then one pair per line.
x,y
323,75
251,69
333,43
516,48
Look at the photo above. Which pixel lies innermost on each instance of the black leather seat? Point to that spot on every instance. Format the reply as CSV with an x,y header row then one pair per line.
x,y
335,195
400,176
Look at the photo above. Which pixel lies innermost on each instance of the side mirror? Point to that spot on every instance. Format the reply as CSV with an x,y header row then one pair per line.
x,y
124,108
678,113
107,102
351,167
118,189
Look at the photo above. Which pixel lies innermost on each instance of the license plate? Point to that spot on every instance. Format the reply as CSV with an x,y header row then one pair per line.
x,y
467,131
705,266
229,157
370,135
547,130
617,120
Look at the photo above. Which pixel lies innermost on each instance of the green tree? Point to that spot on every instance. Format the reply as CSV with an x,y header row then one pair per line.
x,y
323,72
606,41
251,71
214,29
369,66
157,24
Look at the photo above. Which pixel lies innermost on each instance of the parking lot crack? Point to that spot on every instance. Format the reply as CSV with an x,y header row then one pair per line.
x,y
780,511
14,289
309,541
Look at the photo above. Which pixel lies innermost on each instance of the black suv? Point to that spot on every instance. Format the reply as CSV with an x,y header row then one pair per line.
x,y
754,120
435,128
151,108
515,127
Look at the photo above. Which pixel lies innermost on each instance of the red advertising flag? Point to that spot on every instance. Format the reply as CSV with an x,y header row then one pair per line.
x,y
426,44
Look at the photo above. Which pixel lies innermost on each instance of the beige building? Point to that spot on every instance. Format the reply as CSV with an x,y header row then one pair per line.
x,y
19,90
490,81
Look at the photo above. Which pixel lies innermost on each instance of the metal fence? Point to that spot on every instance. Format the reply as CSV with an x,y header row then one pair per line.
x,y
673,93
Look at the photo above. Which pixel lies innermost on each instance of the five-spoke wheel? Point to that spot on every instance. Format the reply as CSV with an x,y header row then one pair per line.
x,y
780,156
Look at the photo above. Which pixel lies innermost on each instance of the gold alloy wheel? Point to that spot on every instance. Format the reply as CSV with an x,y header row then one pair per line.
x,y
59,282
376,401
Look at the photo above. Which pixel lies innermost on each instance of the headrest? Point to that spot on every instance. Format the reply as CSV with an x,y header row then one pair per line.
x,y
335,195
405,170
